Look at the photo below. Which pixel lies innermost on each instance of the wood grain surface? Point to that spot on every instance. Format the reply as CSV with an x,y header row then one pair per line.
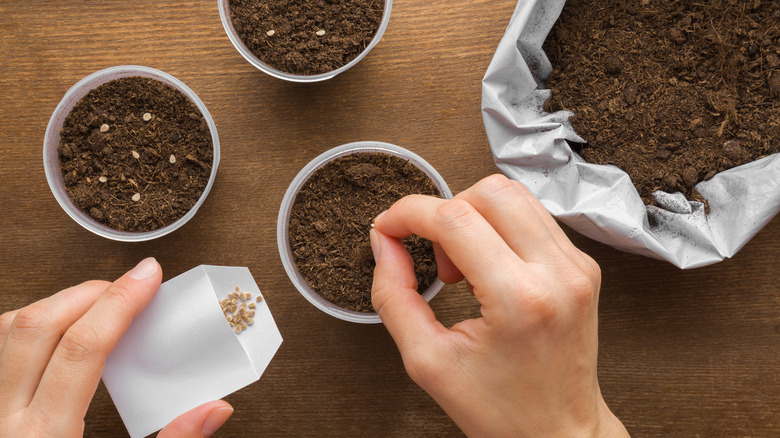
x,y
682,353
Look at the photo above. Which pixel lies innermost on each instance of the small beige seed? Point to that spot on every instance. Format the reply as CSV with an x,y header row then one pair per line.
x,y
135,155
172,159
252,305
243,326
270,32
147,117
136,197
259,298
251,313
89,180
103,179
103,128
320,32
250,321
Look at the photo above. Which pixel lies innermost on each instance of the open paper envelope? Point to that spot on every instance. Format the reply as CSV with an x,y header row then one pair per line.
x,y
181,352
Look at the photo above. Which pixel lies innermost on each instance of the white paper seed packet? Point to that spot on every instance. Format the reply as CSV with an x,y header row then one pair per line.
x,y
181,352
599,201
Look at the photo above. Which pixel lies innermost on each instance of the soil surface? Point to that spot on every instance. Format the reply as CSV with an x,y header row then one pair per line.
x,y
129,173
306,37
672,92
331,219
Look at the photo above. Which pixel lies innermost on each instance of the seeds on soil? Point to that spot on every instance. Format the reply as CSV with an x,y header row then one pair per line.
x,y
103,128
136,197
147,117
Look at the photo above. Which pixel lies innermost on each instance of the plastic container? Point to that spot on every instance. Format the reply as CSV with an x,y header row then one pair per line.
x,y
282,229
227,23
51,142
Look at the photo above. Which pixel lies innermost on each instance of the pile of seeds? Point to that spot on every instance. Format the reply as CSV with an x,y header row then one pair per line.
x,y
239,309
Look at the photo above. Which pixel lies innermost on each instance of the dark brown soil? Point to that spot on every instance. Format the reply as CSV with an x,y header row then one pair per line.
x,y
101,170
284,34
672,92
331,219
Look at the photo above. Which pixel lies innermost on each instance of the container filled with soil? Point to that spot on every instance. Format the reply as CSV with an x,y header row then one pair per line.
x,y
651,126
304,40
131,153
325,219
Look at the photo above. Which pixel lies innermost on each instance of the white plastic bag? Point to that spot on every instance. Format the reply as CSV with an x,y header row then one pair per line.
x,y
600,201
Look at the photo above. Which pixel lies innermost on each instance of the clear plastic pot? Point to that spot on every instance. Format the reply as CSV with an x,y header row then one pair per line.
x,y
282,229
227,23
51,142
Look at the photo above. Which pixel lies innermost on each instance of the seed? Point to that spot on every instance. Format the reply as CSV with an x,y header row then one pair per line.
x,y
89,180
147,117
250,321
259,298
252,305
320,32
251,313
136,197
103,179
135,154
172,159
270,32
103,128
243,326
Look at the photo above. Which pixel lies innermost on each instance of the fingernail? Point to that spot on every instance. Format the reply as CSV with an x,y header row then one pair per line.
x,y
215,420
375,244
144,270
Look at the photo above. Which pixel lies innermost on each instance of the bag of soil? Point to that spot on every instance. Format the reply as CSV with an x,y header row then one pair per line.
x,y
600,201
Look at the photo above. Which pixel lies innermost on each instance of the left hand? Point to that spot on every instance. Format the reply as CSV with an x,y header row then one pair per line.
x,y
52,354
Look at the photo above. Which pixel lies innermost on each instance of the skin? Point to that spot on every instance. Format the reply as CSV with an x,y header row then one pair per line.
x,y
59,346
527,367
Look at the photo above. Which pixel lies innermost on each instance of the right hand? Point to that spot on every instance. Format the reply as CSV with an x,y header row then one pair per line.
x,y
527,367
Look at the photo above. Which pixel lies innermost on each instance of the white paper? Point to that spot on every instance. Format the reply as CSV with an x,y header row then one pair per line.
x,y
181,352
600,201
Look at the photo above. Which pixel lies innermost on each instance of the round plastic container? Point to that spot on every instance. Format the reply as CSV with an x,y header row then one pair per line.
x,y
51,142
282,229
227,23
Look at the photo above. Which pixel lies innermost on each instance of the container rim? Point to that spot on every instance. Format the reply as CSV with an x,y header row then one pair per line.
x,y
227,23
52,139
282,231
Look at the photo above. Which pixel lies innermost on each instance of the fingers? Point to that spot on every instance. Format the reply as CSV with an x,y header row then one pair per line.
x,y
448,272
582,260
408,318
78,360
502,203
32,337
469,240
200,422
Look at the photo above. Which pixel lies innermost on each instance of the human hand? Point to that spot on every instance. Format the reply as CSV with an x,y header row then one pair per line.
x,y
52,354
527,367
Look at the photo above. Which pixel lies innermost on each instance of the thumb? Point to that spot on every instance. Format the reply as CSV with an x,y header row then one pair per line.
x,y
408,318
200,422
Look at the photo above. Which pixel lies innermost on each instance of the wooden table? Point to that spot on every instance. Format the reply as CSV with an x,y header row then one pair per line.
x,y
683,353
